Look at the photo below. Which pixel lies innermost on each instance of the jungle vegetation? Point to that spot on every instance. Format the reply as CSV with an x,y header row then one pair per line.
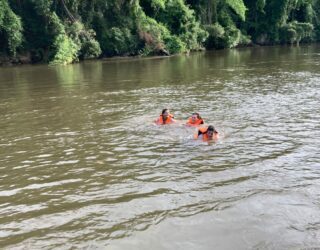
x,y
66,31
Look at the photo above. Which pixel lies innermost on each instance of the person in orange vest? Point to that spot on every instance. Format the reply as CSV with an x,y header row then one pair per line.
x,y
195,120
207,133
165,118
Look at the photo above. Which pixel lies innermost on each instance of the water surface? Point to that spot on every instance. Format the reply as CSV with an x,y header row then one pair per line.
x,y
83,166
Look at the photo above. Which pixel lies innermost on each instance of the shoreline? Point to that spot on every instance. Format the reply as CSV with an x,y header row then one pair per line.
x,y
26,58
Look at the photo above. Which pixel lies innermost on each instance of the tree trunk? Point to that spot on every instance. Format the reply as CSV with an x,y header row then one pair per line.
x,y
209,11
67,11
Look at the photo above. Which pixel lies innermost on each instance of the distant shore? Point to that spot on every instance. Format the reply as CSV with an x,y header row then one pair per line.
x,y
29,58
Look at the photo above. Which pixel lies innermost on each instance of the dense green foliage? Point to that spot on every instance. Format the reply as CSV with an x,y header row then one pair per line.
x,y
10,28
65,31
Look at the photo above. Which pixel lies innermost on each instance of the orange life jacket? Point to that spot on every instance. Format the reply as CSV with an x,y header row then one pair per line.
x,y
197,122
205,137
169,120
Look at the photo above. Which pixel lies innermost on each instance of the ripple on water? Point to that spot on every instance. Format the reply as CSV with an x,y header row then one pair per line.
x,y
83,164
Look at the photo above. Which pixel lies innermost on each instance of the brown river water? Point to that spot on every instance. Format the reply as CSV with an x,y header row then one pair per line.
x,y
82,166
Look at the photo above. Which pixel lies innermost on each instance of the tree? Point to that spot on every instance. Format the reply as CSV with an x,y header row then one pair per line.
x,y
10,28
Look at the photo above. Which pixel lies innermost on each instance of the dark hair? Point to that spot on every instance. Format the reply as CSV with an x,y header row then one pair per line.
x,y
197,114
198,117
211,128
163,111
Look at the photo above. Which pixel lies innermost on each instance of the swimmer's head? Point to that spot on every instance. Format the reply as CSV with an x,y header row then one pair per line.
x,y
211,130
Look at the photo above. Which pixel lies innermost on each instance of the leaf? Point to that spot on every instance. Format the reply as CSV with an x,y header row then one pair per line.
x,y
238,7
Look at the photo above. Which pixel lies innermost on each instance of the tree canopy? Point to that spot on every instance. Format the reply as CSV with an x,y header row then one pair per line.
x,y
65,31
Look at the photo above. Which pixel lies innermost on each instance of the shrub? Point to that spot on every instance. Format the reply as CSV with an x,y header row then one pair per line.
x,y
11,27
66,50
294,32
118,41
229,37
174,44
216,35
85,40
181,21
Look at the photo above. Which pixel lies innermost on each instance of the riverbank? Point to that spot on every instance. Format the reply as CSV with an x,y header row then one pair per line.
x,y
17,60
27,59
32,58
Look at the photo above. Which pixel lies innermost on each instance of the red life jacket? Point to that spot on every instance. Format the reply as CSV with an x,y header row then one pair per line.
x,y
169,120
203,132
197,122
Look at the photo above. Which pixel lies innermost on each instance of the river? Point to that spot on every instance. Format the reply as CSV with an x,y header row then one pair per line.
x,y
83,166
